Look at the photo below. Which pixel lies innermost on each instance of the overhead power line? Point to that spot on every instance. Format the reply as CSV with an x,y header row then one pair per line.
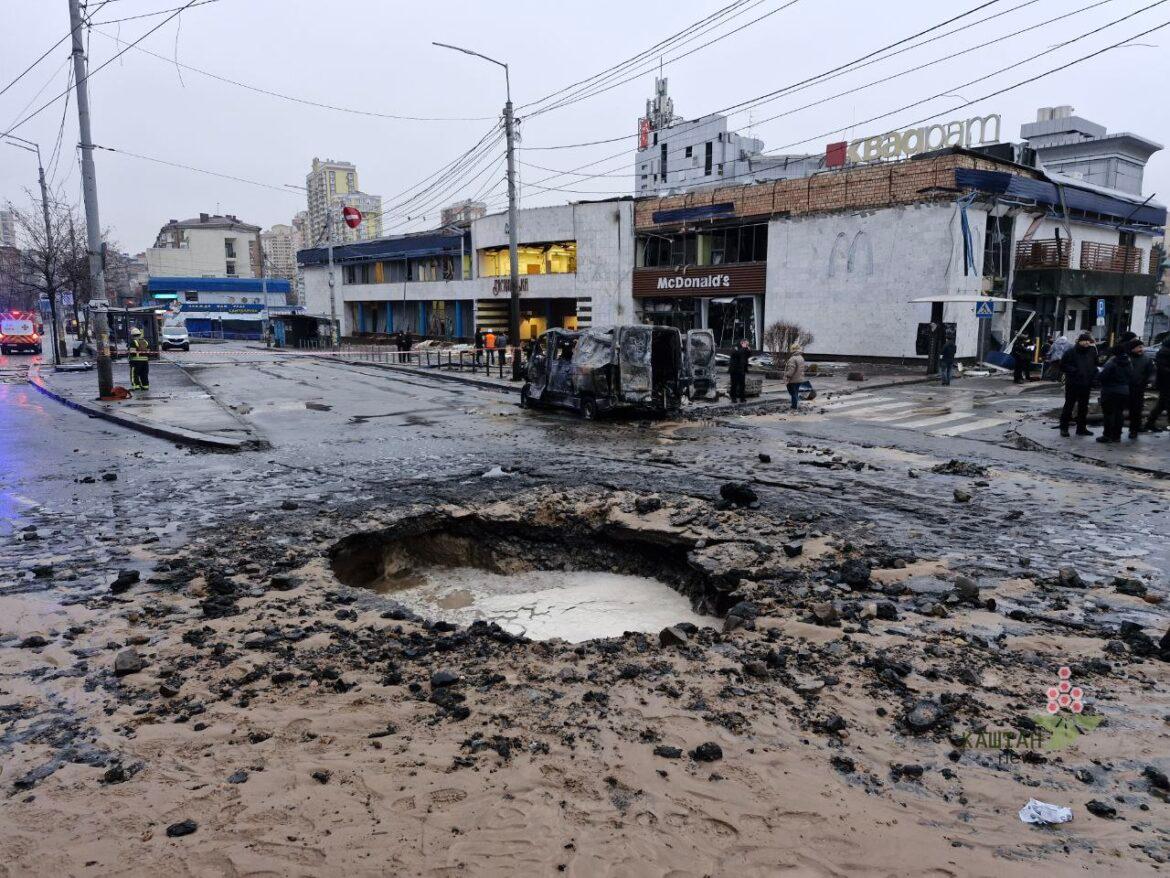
x,y
100,67
601,87
288,188
652,50
294,98
674,152
956,107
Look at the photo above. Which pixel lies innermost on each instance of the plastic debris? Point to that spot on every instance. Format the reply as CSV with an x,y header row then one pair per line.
x,y
1039,812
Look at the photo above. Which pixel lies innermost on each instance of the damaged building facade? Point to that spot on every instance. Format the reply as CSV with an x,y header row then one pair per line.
x,y
877,260
576,261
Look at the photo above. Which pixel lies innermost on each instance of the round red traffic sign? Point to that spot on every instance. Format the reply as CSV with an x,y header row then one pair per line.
x,y
352,217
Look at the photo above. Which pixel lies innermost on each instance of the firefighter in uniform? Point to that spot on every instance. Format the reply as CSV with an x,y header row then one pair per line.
x,y
139,363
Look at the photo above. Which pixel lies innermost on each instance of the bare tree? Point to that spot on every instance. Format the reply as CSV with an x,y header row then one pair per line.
x,y
780,337
52,260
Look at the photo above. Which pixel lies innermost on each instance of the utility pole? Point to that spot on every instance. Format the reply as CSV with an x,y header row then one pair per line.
x,y
51,258
52,291
513,243
97,302
513,254
334,329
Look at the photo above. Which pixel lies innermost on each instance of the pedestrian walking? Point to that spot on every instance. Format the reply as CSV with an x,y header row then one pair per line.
x,y
137,353
1079,367
1143,373
794,374
1116,377
1162,382
738,369
947,362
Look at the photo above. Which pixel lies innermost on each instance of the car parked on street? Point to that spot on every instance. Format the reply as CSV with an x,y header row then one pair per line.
x,y
174,336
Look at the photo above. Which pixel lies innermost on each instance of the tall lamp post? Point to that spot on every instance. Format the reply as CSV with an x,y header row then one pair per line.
x,y
513,255
29,146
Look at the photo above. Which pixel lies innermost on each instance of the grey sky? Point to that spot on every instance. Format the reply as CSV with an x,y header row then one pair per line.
x,y
376,55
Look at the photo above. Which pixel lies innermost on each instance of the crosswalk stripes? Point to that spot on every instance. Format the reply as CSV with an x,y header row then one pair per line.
x,y
971,426
900,414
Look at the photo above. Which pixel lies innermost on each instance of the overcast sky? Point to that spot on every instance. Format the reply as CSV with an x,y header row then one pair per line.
x,y
376,56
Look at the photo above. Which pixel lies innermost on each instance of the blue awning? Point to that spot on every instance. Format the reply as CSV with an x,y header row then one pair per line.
x,y
413,246
216,285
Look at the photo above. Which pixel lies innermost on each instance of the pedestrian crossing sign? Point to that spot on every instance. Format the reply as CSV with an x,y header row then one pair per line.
x,y
984,310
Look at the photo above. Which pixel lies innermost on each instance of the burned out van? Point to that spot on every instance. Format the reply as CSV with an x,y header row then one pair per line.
x,y
600,370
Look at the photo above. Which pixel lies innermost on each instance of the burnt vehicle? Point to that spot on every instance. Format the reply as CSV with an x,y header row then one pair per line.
x,y
699,363
600,370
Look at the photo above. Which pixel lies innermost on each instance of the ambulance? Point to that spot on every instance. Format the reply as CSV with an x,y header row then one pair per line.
x,y
20,332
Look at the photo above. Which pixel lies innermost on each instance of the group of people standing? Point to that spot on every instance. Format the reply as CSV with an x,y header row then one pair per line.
x,y
492,344
1124,378
794,373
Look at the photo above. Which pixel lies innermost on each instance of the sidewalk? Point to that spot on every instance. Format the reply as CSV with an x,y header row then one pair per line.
x,y
176,407
1149,454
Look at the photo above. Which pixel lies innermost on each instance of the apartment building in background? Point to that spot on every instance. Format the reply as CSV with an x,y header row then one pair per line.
x,y
208,245
7,228
279,246
333,185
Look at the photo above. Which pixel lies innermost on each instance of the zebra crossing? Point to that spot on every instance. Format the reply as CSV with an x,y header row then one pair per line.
x,y
907,414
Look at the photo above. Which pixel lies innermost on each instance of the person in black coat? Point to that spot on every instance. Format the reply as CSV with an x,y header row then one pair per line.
x,y
947,362
1162,382
1116,377
1079,367
738,368
1143,373
1022,360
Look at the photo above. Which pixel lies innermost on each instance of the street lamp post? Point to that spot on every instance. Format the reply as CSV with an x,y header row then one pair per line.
x,y
513,253
50,283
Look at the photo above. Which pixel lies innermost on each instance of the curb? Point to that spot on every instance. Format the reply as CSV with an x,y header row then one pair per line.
x,y
173,434
254,442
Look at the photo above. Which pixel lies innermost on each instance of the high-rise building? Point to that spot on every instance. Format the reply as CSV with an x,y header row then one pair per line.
x,y
279,252
300,231
462,212
334,185
7,228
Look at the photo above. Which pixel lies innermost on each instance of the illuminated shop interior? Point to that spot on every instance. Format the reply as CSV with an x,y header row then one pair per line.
x,y
556,258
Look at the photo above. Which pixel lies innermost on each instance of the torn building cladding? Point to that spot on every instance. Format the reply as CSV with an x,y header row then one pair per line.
x,y
600,370
841,252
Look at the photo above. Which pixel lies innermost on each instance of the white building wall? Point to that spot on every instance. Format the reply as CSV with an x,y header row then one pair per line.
x,y
204,255
848,278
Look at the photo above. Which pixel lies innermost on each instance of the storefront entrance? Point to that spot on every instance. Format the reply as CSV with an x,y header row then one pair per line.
x,y
730,318
728,300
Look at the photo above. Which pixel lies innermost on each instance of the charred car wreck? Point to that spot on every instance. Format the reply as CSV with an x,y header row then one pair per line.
x,y
599,370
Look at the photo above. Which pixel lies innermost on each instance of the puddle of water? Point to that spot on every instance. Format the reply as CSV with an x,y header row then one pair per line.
x,y
543,604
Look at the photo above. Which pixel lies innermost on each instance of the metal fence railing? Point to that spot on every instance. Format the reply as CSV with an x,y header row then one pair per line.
x,y
488,362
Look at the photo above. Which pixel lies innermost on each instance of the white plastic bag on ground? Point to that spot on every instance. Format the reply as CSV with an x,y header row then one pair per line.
x,y
1039,812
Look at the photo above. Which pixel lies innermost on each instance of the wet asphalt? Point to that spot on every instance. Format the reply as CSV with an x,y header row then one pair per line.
x,y
352,437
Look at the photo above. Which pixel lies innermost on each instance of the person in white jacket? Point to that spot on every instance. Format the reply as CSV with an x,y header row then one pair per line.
x,y
794,374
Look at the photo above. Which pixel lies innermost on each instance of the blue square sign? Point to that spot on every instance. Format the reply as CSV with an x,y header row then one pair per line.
x,y
985,310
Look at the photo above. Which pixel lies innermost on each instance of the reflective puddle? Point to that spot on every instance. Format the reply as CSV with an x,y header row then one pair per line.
x,y
543,604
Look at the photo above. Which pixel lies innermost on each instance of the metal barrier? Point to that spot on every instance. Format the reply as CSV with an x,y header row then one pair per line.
x,y
487,360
